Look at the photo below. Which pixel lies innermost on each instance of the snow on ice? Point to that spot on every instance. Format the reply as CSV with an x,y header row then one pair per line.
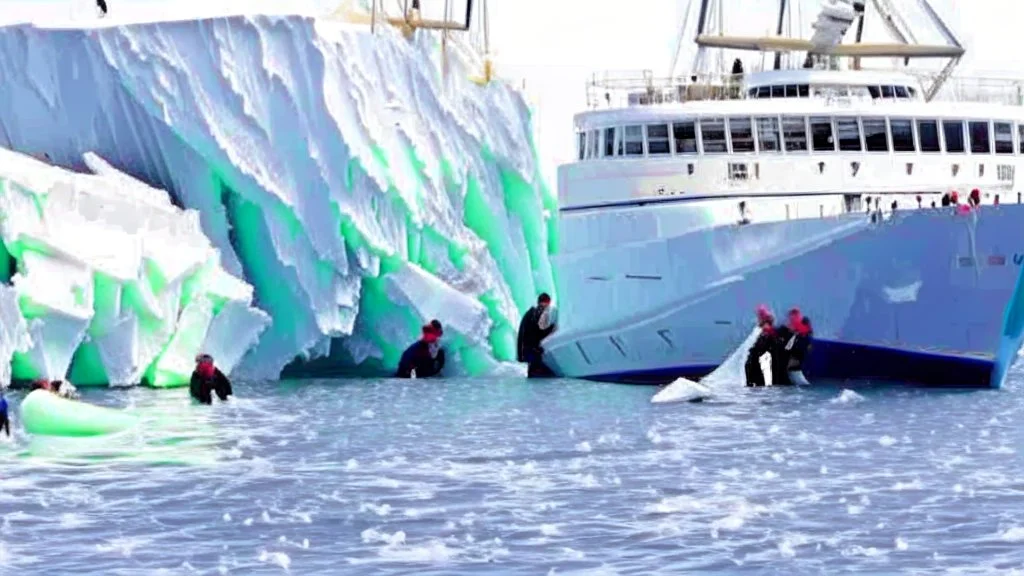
x,y
356,189
107,278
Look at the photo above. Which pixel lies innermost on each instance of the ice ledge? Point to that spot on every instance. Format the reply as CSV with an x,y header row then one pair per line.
x,y
110,282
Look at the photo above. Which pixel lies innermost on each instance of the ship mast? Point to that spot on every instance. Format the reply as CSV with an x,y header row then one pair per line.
x,y
410,18
778,32
836,18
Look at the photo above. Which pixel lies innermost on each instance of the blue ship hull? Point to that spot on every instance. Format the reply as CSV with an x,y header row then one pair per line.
x,y
924,296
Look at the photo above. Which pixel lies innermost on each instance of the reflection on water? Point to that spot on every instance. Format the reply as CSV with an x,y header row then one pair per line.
x,y
509,476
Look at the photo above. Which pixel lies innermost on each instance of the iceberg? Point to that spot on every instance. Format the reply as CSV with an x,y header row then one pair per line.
x,y
107,281
358,183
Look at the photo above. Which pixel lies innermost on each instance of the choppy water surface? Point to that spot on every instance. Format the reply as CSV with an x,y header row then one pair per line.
x,y
512,476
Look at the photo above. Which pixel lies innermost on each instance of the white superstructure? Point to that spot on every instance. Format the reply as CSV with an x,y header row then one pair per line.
x,y
694,197
792,143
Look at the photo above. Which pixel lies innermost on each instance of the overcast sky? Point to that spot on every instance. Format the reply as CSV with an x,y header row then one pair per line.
x,y
554,45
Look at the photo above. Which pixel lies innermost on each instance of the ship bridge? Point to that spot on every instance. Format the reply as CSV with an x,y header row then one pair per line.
x,y
824,83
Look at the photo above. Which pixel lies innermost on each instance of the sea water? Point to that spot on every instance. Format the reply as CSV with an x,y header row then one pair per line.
x,y
524,477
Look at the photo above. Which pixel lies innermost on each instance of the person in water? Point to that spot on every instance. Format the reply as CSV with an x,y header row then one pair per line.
x,y
59,387
425,357
766,342
790,348
798,347
536,325
207,379
5,419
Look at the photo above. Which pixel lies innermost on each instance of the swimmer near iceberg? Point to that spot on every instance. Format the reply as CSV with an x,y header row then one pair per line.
x,y
771,355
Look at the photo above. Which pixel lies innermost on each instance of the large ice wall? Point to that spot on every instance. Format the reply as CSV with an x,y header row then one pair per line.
x,y
356,187
106,280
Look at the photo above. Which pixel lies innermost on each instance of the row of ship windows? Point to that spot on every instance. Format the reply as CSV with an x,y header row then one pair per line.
x,y
774,134
806,91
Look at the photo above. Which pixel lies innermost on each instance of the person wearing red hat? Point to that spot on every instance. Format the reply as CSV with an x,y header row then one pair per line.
x,y
793,341
423,358
207,379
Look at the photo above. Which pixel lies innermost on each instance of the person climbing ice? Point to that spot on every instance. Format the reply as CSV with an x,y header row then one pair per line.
x,y
207,379
537,324
425,357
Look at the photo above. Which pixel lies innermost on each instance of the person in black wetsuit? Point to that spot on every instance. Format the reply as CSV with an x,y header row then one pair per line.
x,y
207,379
766,342
798,348
5,419
533,329
425,357
781,352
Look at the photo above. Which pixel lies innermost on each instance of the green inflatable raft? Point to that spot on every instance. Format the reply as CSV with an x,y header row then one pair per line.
x,y
46,414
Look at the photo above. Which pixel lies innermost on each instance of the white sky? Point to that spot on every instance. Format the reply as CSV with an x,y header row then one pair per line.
x,y
554,45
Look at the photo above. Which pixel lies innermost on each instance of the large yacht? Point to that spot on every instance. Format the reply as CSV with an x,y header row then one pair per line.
x,y
694,199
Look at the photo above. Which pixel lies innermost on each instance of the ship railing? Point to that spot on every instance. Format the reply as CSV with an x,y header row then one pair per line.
x,y
981,90
621,89
642,88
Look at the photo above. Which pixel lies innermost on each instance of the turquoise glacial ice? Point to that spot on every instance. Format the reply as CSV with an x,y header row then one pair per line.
x,y
358,190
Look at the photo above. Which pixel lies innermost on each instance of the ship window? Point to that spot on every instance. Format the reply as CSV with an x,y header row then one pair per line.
x,y
738,171
768,134
902,135
592,144
822,139
980,143
887,92
874,91
742,135
712,132
778,91
752,93
928,134
764,92
912,92
609,142
634,139
804,90
953,130
792,91
657,140
685,134
901,92
1004,137
794,130
874,135
582,145
849,134
1020,138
